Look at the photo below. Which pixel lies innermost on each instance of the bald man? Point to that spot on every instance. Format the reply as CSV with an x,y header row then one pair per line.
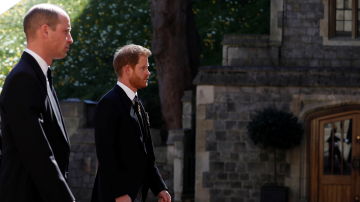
x,y
35,146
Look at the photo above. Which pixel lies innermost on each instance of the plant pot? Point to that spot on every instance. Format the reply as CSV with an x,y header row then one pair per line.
x,y
274,193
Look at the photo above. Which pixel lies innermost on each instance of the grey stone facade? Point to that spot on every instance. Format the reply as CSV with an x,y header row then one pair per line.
x,y
296,68
303,43
83,161
229,166
297,38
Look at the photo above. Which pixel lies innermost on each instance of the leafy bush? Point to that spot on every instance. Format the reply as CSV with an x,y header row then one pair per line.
x,y
274,128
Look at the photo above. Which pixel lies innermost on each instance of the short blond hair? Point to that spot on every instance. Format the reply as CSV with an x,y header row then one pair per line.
x,y
42,14
128,55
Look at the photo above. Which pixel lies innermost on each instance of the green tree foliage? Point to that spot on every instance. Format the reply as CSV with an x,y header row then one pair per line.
x,y
103,27
100,27
215,18
12,37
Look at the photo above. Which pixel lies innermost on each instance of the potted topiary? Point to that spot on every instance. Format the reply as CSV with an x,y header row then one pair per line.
x,y
278,130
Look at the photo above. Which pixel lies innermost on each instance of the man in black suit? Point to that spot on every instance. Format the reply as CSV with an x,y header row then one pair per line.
x,y
35,146
124,148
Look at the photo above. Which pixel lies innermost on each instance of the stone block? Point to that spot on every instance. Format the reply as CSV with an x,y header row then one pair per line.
x,y
226,147
204,94
255,167
210,112
230,167
219,125
244,177
217,166
72,108
211,146
234,156
236,184
175,135
233,176
161,154
240,147
229,125
222,176
220,135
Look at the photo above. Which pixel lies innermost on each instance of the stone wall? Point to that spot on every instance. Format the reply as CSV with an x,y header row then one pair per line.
x,y
229,167
83,160
303,43
297,38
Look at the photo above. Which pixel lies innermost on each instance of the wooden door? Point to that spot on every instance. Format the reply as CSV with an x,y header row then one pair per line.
x,y
335,158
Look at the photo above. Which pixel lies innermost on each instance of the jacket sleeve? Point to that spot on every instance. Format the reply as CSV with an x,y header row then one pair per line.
x,y
22,104
113,177
156,182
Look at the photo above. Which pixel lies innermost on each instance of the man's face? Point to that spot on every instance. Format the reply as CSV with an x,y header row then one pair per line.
x,y
60,38
139,74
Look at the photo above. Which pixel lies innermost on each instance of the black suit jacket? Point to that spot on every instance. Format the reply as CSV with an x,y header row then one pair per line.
x,y
125,153
35,150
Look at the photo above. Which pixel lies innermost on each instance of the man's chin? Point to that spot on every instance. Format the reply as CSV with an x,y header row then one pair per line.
x,y
61,57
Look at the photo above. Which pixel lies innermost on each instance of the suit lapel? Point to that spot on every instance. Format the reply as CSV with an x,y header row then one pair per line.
x,y
62,120
36,68
145,118
40,75
128,103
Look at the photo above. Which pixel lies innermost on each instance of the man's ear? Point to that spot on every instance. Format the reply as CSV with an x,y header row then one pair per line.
x,y
128,69
44,30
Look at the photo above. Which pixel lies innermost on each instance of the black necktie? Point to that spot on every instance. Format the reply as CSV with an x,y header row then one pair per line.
x,y
49,76
53,102
138,111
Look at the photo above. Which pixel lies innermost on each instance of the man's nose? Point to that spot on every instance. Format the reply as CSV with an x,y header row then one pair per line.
x,y
70,39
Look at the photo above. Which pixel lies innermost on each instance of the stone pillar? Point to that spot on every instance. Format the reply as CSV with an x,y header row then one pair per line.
x,y
276,21
204,96
187,113
175,146
175,155
188,144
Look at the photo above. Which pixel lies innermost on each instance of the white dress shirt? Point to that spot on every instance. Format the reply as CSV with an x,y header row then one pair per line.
x,y
131,94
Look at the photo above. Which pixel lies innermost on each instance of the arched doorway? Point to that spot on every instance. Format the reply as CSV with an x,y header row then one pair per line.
x,y
335,155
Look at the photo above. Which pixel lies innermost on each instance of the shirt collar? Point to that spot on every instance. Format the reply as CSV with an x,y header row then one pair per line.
x,y
131,94
43,65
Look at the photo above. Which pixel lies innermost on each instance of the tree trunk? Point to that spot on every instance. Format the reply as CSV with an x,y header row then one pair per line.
x,y
176,52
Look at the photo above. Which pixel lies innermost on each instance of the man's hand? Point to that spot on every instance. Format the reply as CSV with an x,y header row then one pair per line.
x,y
124,198
164,196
